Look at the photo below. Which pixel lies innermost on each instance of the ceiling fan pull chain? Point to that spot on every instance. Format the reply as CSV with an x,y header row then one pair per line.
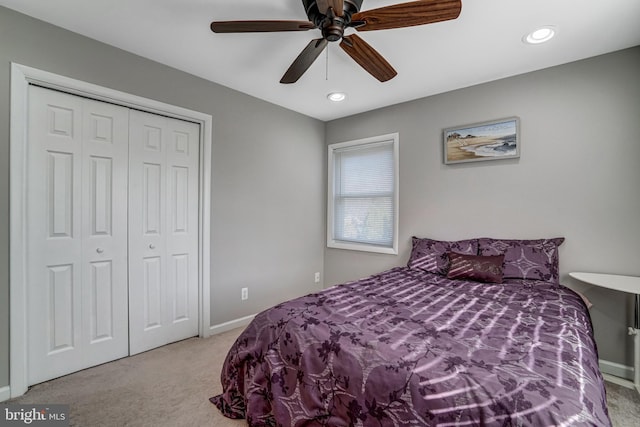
x,y
327,66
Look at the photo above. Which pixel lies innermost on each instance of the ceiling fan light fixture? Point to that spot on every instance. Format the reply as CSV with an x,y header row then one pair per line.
x,y
540,35
337,96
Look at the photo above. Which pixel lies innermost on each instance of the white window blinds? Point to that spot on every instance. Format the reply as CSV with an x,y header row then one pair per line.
x,y
363,193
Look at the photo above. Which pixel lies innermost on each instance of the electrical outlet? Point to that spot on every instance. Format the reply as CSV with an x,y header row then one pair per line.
x,y
244,293
317,277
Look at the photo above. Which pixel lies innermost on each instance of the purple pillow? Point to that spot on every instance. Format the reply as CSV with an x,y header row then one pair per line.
x,y
431,255
475,267
525,259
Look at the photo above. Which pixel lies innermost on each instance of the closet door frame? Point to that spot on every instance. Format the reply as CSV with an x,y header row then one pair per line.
x,y
21,78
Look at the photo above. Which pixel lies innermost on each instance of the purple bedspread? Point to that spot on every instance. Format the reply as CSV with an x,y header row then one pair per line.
x,y
410,348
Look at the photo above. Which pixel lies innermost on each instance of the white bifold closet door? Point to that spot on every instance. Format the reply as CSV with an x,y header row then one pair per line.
x,y
112,235
77,233
163,230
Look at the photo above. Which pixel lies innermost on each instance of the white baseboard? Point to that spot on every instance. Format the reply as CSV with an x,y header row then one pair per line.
x,y
616,369
232,324
5,393
619,381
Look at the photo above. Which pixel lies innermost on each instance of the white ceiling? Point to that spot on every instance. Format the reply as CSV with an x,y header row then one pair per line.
x,y
483,44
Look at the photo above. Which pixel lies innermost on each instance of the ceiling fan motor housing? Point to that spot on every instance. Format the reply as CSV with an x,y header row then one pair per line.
x,y
332,26
350,6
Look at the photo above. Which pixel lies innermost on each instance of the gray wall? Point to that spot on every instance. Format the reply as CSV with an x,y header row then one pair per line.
x,y
267,189
578,176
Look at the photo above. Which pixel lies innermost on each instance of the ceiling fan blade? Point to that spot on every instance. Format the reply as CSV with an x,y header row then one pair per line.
x,y
367,57
260,26
408,14
302,63
336,5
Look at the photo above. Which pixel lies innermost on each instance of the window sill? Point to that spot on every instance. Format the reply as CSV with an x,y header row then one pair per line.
x,y
362,247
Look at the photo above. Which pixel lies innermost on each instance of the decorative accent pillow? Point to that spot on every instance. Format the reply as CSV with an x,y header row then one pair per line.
x,y
431,255
525,259
475,267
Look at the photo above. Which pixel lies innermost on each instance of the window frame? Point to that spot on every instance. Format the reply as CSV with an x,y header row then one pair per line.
x,y
365,247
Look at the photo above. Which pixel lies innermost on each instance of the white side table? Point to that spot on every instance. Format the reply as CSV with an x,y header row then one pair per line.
x,y
629,284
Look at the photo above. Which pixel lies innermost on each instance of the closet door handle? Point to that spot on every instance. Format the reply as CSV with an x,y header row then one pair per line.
x,y
152,246
100,250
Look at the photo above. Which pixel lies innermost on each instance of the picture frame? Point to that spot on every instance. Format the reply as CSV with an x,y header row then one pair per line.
x,y
490,140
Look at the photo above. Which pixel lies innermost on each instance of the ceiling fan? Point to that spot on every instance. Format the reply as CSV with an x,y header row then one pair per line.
x,y
332,17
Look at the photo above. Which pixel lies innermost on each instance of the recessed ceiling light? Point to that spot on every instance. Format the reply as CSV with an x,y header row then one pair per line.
x,y
540,35
337,96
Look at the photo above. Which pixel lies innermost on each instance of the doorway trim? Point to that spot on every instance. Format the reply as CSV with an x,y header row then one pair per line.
x,y
23,76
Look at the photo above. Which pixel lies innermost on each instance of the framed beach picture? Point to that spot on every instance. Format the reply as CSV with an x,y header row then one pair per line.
x,y
493,140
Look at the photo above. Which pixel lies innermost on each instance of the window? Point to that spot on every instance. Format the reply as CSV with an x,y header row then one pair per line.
x,y
362,211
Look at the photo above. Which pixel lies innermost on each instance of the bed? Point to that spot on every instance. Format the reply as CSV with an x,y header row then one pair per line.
x,y
473,332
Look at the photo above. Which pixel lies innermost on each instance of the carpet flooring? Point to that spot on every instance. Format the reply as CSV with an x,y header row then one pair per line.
x,y
171,386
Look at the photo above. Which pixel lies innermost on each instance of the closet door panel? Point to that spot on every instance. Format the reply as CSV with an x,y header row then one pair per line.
x,y
104,230
163,196
54,243
75,296
147,275
182,231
